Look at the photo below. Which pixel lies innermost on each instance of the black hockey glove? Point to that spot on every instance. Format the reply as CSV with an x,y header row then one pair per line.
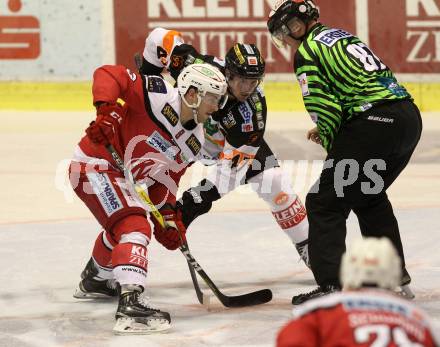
x,y
197,201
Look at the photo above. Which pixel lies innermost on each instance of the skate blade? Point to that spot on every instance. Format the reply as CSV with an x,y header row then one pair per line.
x,y
79,294
129,326
406,292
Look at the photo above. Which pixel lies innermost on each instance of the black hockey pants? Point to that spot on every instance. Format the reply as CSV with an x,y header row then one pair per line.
x,y
367,155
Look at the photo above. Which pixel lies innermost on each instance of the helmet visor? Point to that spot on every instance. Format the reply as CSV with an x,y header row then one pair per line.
x,y
279,34
215,99
223,100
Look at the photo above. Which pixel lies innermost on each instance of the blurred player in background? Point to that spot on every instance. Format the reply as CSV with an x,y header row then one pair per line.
x,y
235,134
367,312
365,120
158,132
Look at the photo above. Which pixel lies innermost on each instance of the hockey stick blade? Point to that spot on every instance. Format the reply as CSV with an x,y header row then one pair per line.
x,y
250,299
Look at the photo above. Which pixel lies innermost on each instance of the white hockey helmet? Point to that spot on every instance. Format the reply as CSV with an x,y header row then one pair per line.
x,y
205,78
371,262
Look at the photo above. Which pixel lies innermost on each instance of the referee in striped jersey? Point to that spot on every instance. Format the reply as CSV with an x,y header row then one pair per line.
x,y
365,120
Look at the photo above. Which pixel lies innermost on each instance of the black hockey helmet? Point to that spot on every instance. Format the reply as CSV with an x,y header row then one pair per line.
x,y
245,60
285,10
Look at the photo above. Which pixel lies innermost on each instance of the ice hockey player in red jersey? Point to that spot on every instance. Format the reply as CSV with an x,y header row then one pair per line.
x,y
158,132
367,312
235,143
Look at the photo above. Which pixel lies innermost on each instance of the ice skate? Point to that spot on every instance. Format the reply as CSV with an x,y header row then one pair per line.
x,y
316,293
93,287
404,289
303,251
135,317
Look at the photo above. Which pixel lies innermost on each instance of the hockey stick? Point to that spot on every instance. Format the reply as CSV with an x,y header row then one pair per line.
x,y
254,298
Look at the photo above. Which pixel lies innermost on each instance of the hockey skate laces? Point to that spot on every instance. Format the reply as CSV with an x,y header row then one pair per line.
x,y
144,300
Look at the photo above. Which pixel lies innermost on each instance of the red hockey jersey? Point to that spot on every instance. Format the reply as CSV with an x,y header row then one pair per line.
x,y
151,139
358,319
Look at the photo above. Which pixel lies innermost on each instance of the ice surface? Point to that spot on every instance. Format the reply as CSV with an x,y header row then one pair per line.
x,y
45,243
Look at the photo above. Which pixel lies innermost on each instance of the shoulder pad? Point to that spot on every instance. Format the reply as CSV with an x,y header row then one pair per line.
x,y
156,84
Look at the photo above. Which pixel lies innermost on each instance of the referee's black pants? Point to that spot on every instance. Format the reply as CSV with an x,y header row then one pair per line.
x,y
381,142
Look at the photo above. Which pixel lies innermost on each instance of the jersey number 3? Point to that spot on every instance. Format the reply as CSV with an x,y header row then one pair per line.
x,y
366,56
384,335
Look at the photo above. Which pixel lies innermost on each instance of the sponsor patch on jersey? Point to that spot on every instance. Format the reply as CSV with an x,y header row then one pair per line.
x,y
156,85
246,112
314,117
193,144
210,128
331,36
157,141
180,133
302,80
105,192
247,128
170,114
259,106
229,121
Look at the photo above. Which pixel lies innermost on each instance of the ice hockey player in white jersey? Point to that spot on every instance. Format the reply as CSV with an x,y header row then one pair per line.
x,y
235,134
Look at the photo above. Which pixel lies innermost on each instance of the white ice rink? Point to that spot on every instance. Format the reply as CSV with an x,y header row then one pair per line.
x,y
46,236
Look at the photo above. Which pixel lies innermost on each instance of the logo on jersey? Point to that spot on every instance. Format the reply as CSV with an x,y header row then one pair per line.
x,y
161,145
247,128
331,36
156,85
210,128
193,144
105,192
180,133
304,84
259,114
132,75
246,112
170,114
229,121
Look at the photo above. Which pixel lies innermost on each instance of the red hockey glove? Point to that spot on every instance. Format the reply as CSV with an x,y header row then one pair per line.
x,y
173,236
102,131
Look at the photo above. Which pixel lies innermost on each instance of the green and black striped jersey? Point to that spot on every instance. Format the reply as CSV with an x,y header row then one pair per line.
x,y
341,77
